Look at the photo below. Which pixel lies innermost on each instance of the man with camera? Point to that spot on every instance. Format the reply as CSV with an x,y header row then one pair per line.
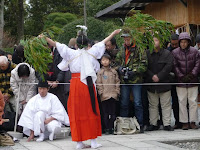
x,y
133,65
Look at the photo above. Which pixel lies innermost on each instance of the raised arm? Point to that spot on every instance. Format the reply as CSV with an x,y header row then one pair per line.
x,y
111,35
51,42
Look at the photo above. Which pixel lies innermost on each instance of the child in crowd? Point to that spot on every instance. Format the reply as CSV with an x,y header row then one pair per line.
x,y
108,86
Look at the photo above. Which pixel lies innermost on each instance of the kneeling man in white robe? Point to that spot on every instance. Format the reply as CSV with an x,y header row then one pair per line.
x,y
43,115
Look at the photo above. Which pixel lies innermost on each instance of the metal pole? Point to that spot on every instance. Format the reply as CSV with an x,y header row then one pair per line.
x,y
85,13
17,109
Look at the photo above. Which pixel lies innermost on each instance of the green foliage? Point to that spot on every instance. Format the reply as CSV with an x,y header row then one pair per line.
x,y
8,50
94,6
143,27
97,29
37,54
58,19
38,10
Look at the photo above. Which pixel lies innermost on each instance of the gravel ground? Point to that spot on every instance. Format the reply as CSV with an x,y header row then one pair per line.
x,y
187,145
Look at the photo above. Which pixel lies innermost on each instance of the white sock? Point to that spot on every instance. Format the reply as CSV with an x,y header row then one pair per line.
x,y
80,145
57,130
94,144
51,135
41,137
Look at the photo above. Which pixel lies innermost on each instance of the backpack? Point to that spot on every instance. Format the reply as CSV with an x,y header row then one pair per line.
x,y
126,125
6,139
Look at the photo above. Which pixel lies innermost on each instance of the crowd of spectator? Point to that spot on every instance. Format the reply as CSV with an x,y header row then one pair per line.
x,y
172,72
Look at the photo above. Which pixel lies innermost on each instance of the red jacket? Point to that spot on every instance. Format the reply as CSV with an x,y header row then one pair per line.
x,y
2,104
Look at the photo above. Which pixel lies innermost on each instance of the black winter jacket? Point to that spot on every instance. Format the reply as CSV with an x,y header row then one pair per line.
x,y
159,63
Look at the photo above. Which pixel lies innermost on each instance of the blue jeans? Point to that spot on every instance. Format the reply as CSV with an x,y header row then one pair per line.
x,y
125,99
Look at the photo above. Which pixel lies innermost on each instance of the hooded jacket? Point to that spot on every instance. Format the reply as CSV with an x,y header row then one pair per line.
x,y
186,61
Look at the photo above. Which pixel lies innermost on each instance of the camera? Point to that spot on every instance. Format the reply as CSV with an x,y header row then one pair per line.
x,y
126,72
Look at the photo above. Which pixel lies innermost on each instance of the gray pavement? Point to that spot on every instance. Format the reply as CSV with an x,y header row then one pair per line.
x,y
147,141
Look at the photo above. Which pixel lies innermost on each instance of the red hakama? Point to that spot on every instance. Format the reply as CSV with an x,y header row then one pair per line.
x,y
84,123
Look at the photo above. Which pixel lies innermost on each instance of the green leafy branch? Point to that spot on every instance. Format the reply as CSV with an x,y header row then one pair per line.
x,y
144,27
37,52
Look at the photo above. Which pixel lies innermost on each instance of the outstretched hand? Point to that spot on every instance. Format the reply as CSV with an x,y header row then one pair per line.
x,y
111,35
41,35
117,31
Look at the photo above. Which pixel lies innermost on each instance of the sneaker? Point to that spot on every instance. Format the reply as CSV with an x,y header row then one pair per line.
x,y
193,125
168,128
185,126
111,131
152,128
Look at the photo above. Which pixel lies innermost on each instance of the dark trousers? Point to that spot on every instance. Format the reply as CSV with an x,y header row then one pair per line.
x,y
145,103
175,104
109,113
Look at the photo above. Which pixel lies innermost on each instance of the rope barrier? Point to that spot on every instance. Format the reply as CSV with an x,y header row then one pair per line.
x,y
127,84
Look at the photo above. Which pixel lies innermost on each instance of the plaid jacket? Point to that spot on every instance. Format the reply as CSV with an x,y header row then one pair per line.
x,y
5,80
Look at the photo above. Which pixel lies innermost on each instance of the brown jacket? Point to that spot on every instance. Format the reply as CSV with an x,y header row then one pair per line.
x,y
108,76
2,104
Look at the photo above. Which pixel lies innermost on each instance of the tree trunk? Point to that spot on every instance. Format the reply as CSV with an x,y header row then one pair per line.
x,y
1,21
20,23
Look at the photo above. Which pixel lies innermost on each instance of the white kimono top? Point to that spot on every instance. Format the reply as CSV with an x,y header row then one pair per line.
x,y
50,105
81,60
